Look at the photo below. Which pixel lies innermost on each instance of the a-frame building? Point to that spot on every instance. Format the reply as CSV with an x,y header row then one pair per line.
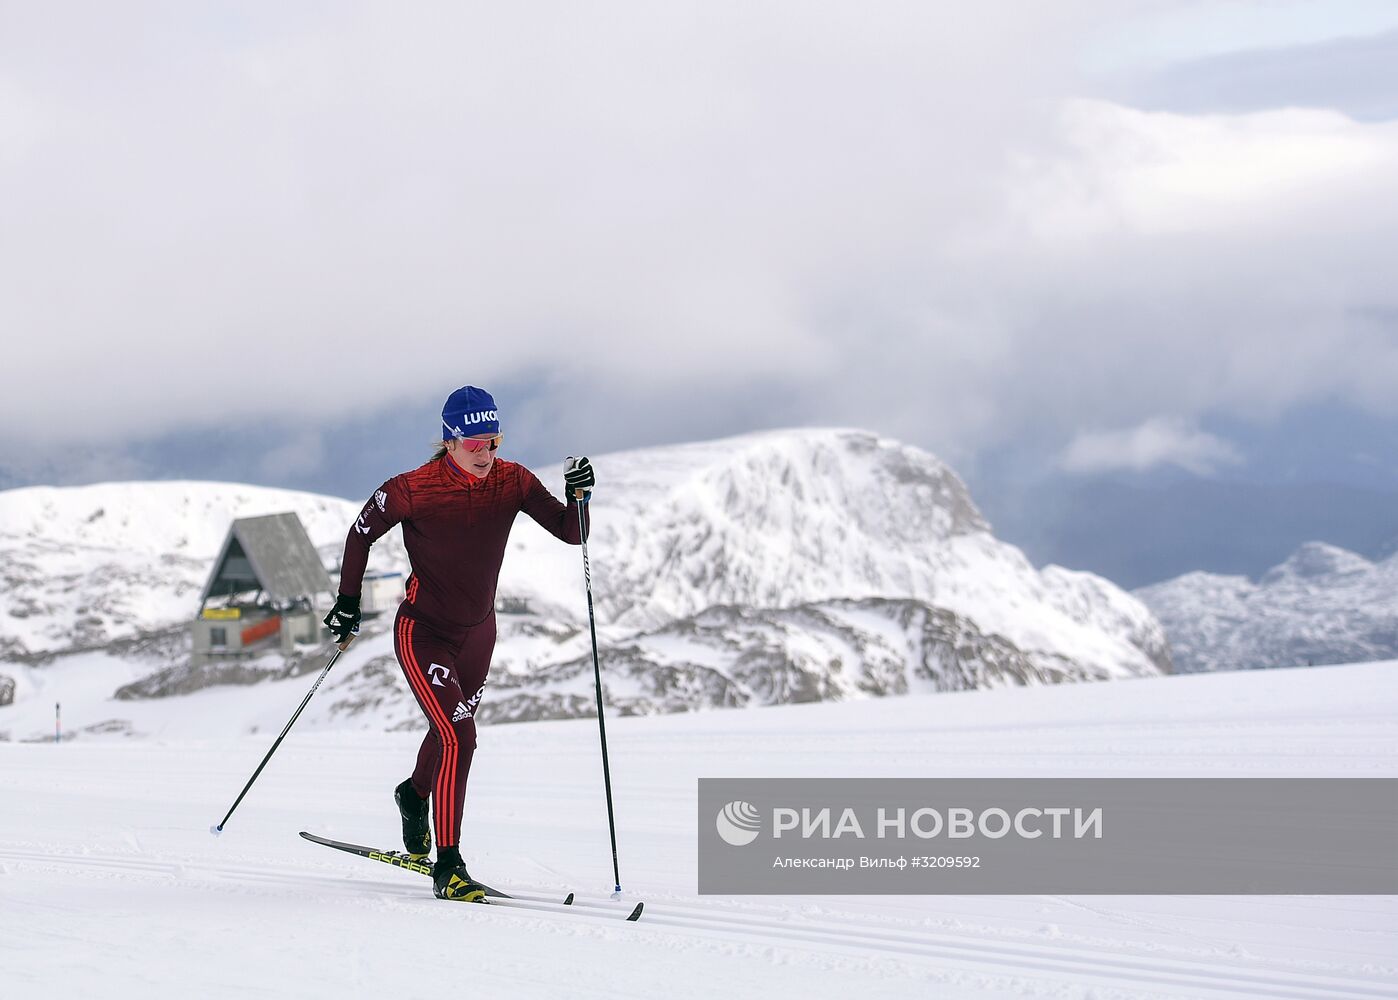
x,y
266,583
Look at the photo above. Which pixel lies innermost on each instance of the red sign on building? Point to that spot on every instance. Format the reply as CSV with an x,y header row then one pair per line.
x,y
255,633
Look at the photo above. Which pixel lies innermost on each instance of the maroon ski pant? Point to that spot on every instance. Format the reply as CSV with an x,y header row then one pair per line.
x,y
446,670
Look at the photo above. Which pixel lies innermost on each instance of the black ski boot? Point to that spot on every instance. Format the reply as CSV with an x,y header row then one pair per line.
x,y
417,835
451,880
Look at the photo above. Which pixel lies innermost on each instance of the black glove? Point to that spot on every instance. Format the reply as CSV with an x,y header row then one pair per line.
x,y
578,475
343,620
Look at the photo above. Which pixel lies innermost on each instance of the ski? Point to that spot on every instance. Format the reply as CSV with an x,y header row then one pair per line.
x,y
590,905
634,913
408,863
395,858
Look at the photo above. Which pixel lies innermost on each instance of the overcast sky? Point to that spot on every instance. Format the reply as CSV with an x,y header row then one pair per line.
x,y
1096,231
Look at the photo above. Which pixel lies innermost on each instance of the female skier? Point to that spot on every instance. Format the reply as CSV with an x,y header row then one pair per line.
x,y
456,513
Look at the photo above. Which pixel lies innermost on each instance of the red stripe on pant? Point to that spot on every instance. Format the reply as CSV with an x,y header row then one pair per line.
x,y
444,792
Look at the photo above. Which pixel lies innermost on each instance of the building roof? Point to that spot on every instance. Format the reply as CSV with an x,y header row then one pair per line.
x,y
273,554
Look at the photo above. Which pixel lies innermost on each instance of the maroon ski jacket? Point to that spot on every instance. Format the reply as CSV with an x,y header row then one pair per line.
x,y
455,527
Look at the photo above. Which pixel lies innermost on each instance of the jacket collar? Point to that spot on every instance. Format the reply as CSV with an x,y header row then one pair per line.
x,y
461,476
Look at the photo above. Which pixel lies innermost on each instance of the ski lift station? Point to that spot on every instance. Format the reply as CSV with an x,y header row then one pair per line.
x,y
265,589
268,590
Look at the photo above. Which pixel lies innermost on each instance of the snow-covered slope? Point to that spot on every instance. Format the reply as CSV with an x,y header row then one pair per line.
x,y
110,885
770,567
1322,605
83,566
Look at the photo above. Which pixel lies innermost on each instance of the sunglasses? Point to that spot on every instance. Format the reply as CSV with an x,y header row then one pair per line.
x,y
481,444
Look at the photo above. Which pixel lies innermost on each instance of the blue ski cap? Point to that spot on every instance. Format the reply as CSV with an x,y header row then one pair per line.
x,y
469,411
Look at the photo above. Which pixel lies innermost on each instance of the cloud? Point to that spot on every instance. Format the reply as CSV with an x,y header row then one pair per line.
x,y
1159,441
251,212
678,220
1123,172
1358,76
1201,265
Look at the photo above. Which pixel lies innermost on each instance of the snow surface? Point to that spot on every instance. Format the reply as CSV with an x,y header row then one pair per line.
x,y
111,886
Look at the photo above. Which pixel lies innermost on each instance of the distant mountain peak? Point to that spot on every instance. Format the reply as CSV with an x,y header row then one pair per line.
x,y
808,464
814,466
1324,604
1314,561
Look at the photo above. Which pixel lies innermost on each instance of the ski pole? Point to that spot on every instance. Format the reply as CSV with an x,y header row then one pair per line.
x,y
597,676
216,830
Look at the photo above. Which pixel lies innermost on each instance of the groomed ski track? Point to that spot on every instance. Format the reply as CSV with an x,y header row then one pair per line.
x,y
112,886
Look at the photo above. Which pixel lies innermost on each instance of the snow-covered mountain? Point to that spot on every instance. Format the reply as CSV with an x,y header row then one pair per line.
x,y
1323,604
782,566
785,518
